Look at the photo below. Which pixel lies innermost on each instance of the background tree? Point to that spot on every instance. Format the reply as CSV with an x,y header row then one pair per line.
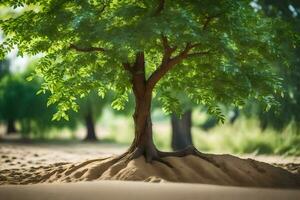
x,y
36,118
19,103
149,47
181,125
4,68
91,109
10,106
181,130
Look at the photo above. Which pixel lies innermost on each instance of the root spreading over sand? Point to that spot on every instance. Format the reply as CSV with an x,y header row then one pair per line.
x,y
222,170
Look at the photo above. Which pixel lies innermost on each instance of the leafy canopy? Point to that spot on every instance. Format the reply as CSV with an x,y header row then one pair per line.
x,y
84,43
289,12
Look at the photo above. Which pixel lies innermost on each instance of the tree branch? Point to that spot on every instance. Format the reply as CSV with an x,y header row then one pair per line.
x,y
86,49
208,19
127,67
198,53
195,45
165,43
168,50
160,7
168,63
102,9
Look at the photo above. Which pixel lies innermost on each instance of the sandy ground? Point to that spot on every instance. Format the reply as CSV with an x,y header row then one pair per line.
x,y
32,157
119,190
14,155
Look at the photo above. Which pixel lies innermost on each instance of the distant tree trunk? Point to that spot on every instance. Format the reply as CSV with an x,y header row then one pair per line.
x,y
90,126
181,130
234,116
11,128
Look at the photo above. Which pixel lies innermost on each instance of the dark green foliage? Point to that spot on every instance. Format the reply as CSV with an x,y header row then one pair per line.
x,y
19,102
84,44
4,68
10,102
289,13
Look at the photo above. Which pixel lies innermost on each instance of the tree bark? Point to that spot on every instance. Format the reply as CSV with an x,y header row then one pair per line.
x,y
90,127
143,139
181,131
11,128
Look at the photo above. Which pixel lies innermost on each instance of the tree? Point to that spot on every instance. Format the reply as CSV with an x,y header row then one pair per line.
x,y
181,130
10,102
181,123
91,109
4,70
154,48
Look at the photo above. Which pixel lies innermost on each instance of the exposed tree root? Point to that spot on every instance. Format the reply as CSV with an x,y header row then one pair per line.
x,y
190,150
153,154
150,156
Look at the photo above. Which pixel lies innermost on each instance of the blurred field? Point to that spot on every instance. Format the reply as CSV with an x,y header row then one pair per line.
x,y
242,137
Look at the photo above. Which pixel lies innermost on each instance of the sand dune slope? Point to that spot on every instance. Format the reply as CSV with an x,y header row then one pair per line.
x,y
218,169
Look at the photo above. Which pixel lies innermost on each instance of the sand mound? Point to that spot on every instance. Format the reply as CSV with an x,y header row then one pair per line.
x,y
220,170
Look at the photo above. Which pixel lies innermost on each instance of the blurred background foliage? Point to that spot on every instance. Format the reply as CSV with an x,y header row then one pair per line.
x,y
24,114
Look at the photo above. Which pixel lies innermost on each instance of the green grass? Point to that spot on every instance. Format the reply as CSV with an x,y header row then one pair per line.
x,y
244,137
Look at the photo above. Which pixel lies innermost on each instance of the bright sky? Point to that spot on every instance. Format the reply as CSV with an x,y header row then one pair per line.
x,y
17,63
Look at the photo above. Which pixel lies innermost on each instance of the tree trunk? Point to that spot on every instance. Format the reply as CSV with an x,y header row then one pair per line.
x,y
181,131
234,115
143,139
11,128
90,126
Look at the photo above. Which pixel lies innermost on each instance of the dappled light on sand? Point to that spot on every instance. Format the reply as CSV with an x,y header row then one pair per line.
x,y
220,170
